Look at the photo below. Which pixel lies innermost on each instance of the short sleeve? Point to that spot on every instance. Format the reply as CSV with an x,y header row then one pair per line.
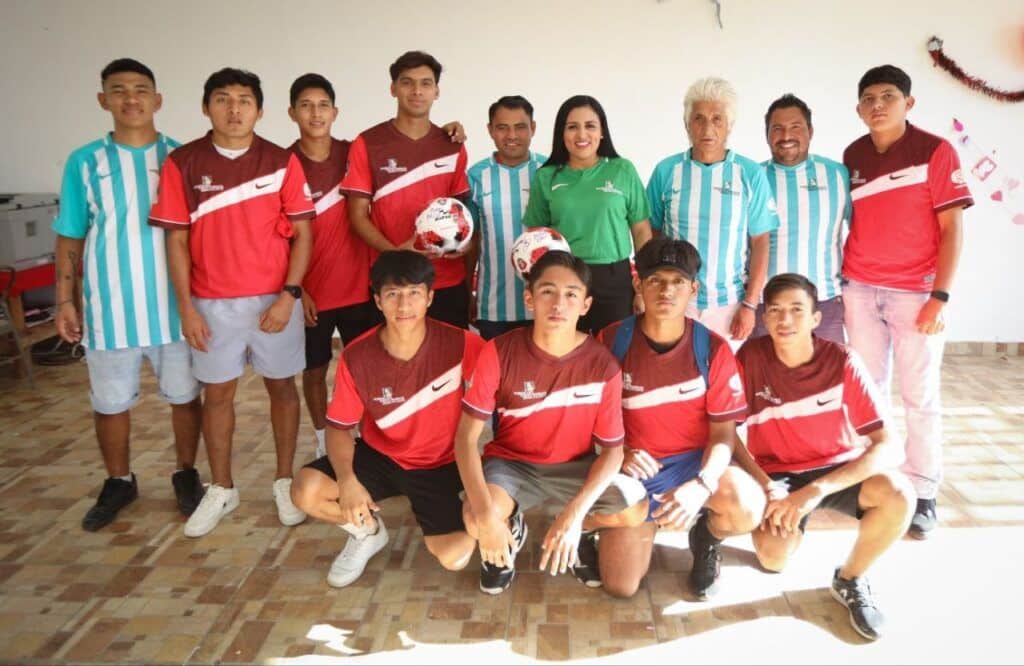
x,y
471,353
762,214
295,196
860,396
460,186
346,407
358,180
725,400
538,208
171,207
480,398
946,180
655,190
608,428
637,207
73,217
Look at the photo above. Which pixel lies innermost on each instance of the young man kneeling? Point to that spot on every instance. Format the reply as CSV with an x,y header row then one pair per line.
x,y
402,383
810,402
557,393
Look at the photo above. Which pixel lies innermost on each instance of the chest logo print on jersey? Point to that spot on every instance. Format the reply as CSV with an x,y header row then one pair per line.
x,y
558,185
727,188
529,392
628,385
207,185
392,166
812,184
387,398
767,395
855,179
609,188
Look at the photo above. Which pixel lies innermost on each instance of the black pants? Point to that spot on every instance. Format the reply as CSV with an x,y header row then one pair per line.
x,y
612,290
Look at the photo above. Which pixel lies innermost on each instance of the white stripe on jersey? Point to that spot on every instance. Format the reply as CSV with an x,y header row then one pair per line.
x,y
681,392
693,206
433,167
257,187
159,251
567,397
829,400
447,383
733,228
329,200
116,304
133,235
914,175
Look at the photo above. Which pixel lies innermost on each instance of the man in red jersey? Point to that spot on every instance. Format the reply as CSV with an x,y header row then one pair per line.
x,y
237,211
811,403
398,167
899,262
402,383
681,398
557,393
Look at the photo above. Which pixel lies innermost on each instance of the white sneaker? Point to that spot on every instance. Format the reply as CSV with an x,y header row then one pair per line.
x,y
351,561
287,512
216,503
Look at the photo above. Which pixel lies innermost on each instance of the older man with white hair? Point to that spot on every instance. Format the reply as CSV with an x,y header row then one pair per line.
x,y
720,202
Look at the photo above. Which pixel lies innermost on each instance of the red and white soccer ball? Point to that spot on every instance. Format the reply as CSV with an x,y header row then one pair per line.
x,y
531,245
444,226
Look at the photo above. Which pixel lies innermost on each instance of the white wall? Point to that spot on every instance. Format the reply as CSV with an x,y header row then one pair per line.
x,y
636,56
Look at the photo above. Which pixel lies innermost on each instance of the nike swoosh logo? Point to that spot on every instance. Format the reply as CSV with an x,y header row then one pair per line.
x,y
440,165
438,388
685,391
893,176
558,185
822,403
260,187
585,395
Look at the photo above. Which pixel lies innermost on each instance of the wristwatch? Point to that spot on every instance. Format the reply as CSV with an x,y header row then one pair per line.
x,y
940,295
710,486
293,289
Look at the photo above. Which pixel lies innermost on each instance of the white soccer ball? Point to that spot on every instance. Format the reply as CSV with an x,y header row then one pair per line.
x,y
531,245
444,226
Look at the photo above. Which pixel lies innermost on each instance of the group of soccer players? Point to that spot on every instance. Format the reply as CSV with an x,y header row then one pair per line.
x,y
230,250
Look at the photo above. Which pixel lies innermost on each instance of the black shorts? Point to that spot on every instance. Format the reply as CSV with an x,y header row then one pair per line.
x,y
350,321
612,289
433,493
845,501
492,329
451,305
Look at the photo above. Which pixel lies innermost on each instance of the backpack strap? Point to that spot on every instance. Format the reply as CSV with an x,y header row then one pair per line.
x,y
702,349
623,337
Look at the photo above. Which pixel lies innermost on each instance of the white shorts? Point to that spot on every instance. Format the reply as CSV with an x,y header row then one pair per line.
x,y
236,339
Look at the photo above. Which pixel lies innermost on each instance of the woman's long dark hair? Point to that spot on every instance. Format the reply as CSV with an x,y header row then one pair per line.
x,y
559,153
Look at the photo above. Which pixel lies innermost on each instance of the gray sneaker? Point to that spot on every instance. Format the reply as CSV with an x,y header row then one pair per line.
x,y
855,594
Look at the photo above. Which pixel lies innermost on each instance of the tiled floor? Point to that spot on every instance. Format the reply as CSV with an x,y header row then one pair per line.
x,y
254,591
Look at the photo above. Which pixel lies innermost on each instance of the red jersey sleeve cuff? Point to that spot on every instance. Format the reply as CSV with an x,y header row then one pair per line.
x,y
304,215
960,202
168,224
474,411
350,192
738,415
341,425
609,443
870,427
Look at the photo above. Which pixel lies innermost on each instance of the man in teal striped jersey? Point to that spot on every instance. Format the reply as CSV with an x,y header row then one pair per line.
x,y
813,197
128,311
720,202
499,189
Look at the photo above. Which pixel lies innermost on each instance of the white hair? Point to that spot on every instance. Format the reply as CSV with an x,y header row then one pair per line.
x,y
711,89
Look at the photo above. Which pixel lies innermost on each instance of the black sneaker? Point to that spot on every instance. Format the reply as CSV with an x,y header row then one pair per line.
x,y
495,579
115,495
924,520
707,560
586,568
855,594
188,490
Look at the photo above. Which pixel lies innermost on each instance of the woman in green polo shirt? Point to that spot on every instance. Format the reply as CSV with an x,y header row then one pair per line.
x,y
597,201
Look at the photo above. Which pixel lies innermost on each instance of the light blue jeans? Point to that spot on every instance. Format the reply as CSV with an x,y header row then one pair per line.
x,y
881,326
114,375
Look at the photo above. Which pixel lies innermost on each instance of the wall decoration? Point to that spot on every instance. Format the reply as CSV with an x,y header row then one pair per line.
x,y
991,177
974,83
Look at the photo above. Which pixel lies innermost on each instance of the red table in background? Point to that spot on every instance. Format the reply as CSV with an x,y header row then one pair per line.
x,y
33,277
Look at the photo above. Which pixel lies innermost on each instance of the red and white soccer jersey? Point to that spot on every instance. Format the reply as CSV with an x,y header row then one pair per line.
x,y
401,176
408,410
339,268
894,234
239,214
550,409
666,406
810,416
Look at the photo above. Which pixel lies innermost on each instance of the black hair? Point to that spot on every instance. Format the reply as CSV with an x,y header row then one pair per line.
x,y
401,267
126,65
786,281
231,76
307,81
559,258
885,74
412,60
510,102
559,153
787,101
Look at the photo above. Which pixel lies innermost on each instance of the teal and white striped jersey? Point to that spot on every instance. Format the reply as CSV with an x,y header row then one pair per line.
x,y
715,207
499,194
105,198
814,217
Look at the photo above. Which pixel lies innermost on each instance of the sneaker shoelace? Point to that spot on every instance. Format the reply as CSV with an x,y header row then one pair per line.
x,y
858,593
355,546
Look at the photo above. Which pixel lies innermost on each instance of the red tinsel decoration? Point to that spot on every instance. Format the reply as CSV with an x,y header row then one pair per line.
x,y
972,82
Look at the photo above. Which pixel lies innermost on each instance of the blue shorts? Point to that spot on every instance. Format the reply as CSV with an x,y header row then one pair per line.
x,y
114,375
675,471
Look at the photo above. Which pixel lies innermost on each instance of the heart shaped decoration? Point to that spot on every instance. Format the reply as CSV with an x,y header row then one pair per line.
x,y
997,195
